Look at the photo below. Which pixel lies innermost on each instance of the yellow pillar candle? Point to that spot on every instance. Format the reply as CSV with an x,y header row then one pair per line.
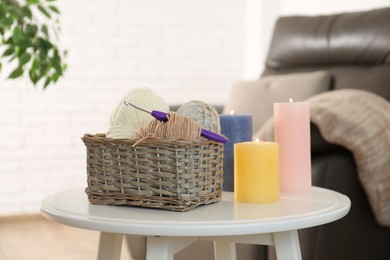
x,y
256,172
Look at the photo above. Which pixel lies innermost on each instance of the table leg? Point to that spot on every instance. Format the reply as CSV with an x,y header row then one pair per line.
x,y
287,245
110,246
164,248
224,250
158,248
136,246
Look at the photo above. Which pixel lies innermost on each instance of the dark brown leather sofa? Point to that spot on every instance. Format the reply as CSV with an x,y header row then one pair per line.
x,y
355,48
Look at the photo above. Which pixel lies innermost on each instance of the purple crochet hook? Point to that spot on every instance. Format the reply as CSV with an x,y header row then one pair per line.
x,y
162,116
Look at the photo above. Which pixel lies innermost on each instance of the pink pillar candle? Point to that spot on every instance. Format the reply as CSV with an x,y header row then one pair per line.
x,y
292,132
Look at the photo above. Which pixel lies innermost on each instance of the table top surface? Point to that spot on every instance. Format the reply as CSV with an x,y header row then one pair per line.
x,y
226,217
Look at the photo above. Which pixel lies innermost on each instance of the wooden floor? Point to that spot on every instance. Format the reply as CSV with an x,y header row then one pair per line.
x,y
35,238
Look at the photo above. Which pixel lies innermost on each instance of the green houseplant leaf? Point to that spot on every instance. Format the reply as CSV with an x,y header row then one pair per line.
x,y
16,73
28,43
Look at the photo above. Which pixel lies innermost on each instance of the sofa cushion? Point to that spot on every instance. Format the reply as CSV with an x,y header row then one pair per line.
x,y
356,38
257,97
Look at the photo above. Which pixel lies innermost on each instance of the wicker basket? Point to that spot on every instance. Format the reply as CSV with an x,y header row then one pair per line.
x,y
166,174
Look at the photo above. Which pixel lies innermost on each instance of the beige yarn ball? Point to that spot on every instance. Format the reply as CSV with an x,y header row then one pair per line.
x,y
126,120
204,114
177,128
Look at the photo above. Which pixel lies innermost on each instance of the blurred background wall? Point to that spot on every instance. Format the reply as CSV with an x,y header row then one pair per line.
x,y
181,49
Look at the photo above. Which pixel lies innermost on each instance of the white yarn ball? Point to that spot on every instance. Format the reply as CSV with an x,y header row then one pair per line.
x,y
126,120
121,132
204,114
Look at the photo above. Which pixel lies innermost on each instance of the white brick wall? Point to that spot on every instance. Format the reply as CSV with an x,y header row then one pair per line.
x,y
181,49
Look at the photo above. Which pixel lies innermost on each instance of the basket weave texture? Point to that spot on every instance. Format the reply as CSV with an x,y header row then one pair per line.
x,y
154,173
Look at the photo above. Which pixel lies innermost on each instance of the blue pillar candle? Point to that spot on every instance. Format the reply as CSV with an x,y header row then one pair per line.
x,y
237,128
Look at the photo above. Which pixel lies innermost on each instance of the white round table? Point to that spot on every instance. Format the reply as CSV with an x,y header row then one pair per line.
x,y
225,222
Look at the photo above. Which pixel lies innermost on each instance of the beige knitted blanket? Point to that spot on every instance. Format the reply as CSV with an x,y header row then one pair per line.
x,y
359,121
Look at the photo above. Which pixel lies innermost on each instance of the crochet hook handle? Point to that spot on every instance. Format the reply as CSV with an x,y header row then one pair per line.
x,y
164,117
159,115
213,136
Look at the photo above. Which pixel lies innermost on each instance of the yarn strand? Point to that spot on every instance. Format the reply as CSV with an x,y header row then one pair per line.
x,y
177,127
